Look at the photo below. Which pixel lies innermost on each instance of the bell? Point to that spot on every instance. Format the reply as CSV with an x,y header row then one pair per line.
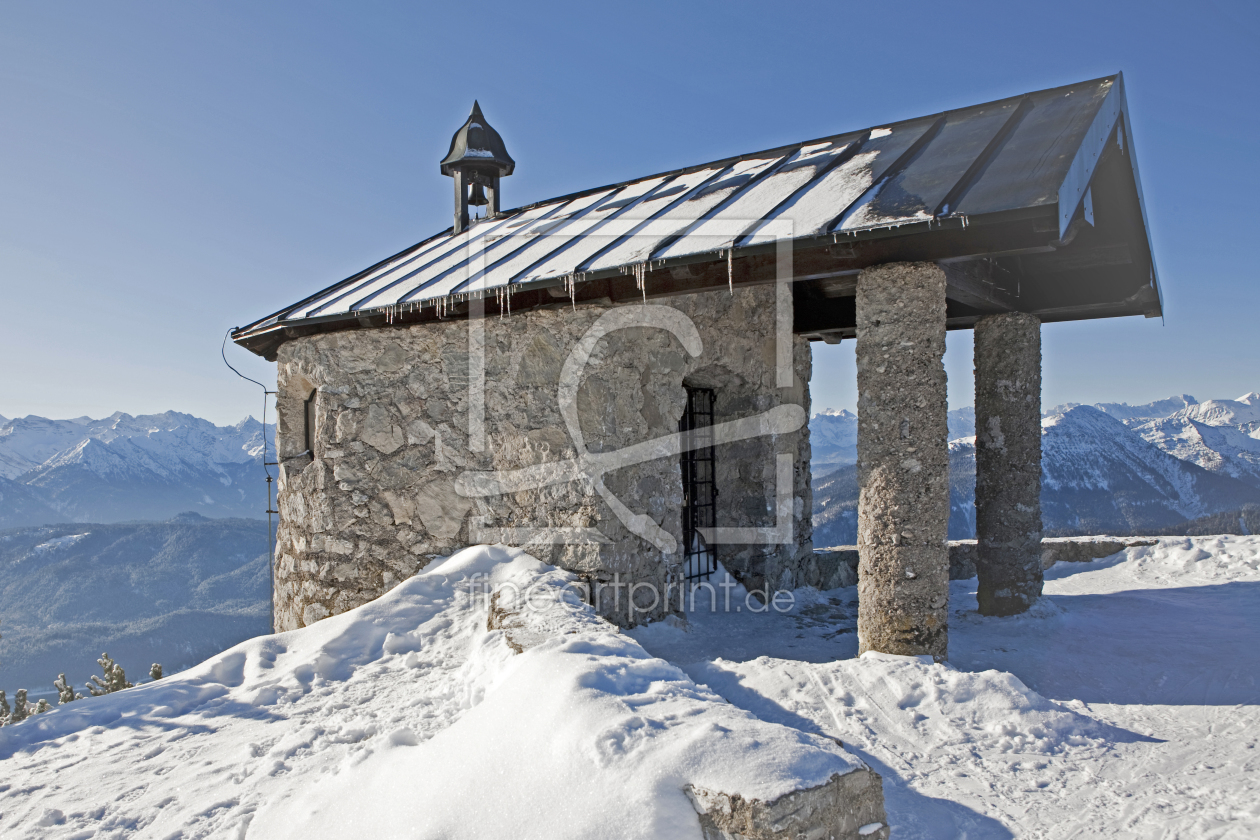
x,y
478,197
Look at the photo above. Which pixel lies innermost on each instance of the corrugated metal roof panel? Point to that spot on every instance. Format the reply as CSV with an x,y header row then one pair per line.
x,y
752,204
665,225
574,254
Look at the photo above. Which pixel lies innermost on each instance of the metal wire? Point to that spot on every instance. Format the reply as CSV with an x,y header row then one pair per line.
x,y
271,547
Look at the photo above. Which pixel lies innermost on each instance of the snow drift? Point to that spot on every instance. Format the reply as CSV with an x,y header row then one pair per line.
x,y
407,717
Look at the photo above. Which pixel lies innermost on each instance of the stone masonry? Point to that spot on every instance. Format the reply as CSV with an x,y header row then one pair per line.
x,y
849,807
378,498
903,460
1008,462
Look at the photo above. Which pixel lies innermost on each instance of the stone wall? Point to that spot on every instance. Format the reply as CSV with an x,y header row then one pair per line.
x,y
838,565
378,497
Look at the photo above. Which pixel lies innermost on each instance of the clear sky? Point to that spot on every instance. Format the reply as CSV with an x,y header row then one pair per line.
x,y
170,170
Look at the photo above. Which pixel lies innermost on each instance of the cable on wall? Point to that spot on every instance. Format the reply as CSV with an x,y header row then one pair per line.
x,y
271,548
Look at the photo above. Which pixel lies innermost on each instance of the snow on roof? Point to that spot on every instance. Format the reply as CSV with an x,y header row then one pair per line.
x,y
1025,152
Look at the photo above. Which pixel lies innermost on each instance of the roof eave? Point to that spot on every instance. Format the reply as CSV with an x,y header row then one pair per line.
x,y
264,336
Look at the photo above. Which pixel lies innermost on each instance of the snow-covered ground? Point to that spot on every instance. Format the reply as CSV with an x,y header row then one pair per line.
x,y
407,718
1125,705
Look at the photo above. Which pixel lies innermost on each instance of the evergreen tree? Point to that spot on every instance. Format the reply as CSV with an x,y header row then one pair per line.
x,y
113,677
65,692
21,711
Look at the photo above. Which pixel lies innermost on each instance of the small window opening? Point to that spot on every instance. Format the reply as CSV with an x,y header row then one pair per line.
x,y
699,484
308,406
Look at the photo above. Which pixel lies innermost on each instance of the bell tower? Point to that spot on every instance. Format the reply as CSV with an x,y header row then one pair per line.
x,y
476,161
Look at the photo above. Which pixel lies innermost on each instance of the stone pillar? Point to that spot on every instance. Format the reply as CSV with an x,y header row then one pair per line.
x,y
1008,462
903,461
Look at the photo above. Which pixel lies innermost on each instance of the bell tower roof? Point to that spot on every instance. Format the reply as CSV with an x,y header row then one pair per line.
x,y
477,145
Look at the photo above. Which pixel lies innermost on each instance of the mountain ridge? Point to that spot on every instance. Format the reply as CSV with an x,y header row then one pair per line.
x,y
1107,468
125,467
1111,466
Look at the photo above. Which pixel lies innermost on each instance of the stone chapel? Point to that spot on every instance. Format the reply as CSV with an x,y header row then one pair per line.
x,y
618,379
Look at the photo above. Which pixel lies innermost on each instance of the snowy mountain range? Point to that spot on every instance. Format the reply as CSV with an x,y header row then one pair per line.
x,y
1222,436
176,591
1106,468
833,436
125,468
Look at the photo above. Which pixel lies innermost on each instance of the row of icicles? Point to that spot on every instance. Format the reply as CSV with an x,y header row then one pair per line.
x,y
503,294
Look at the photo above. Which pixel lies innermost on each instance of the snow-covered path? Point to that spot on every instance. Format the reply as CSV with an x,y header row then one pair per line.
x,y
1152,658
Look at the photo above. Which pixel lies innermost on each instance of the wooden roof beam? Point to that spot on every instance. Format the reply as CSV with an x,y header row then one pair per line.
x,y
977,284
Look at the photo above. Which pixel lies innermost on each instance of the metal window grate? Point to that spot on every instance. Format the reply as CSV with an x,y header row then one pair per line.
x,y
308,411
699,484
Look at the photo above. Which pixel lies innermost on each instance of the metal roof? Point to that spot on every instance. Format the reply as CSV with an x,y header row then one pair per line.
x,y
1031,157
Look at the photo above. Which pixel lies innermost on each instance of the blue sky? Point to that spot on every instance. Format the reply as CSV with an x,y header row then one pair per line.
x,y
170,170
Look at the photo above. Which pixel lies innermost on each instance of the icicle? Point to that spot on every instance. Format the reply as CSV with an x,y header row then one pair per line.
x,y
730,270
639,270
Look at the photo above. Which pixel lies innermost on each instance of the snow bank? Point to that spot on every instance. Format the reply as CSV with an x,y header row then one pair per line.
x,y
1172,561
931,706
582,737
407,717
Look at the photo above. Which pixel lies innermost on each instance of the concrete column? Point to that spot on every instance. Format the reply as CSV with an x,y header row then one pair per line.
x,y
903,461
1008,462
